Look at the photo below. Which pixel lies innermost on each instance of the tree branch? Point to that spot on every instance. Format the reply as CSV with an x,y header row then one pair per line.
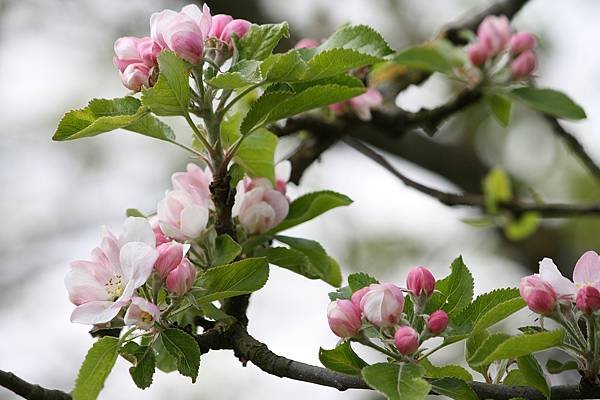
x,y
28,390
476,200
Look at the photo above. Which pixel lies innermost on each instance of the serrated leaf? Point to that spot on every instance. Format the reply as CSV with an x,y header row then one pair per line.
x,y
184,348
321,265
342,359
360,280
333,62
256,154
274,106
258,43
285,67
164,360
515,377
291,259
424,57
445,371
361,38
472,344
241,74
226,250
532,371
501,346
397,382
310,206
235,279
556,367
144,366
453,388
500,107
549,101
341,293
454,292
171,93
105,115
496,189
96,367
522,227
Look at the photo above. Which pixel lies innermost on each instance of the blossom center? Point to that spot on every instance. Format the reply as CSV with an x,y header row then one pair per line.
x,y
115,287
146,317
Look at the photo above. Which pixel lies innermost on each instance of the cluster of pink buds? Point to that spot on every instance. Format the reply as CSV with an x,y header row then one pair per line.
x,y
192,34
382,306
497,44
554,296
360,105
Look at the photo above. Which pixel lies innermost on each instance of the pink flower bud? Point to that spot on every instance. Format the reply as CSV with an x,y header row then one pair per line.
x,y
262,209
522,41
477,54
358,295
383,304
132,50
219,22
362,105
170,256
588,299
184,37
141,313
159,235
437,322
181,216
494,34
420,281
523,65
239,27
135,76
181,279
306,43
538,294
344,318
407,340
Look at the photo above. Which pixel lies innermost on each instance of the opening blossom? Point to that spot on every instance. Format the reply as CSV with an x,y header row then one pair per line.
x,y
141,313
181,279
344,318
382,304
101,287
135,58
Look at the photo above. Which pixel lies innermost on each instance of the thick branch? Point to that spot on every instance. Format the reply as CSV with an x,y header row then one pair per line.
x,y
28,390
476,200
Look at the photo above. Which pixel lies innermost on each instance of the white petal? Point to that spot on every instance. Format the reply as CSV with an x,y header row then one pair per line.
x,y
193,220
587,269
83,286
137,260
95,312
283,170
550,273
137,229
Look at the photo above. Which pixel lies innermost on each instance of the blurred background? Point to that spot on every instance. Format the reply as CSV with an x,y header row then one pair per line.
x,y
55,55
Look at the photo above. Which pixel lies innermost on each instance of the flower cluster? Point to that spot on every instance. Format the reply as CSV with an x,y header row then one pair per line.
x,y
498,47
567,302
382,306
360,105
129,272
192,34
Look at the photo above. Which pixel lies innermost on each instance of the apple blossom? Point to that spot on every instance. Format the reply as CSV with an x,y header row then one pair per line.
x,y
195,181
181,279
494,33
141,313
101,287
135,58
523,65
382,304
407,340
420,282
587,270
262,209
344,318
170,256
437,322
522,41
159,235
181,216
538,294
564,288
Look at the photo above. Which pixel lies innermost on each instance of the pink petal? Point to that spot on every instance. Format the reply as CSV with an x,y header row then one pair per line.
x,y
137,229
587,269
95,312
137,261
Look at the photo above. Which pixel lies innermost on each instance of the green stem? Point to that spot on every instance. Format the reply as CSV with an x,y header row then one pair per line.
x,y
199,136
222,112
191,150
430,352
372,345
125,336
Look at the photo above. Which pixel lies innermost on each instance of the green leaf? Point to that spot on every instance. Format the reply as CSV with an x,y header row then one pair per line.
x,y
342,359
256,154
273,106
361,38
226,249
105,115
310,206
291,259
360,280
235,279
446,371
523,227
453,388
501,346
164,360
397,382
424,57
341,293
184,348
333,62
321,265
284,67
515,377
556,367
98,363
134,212
171,93
144,366
258,43
454,292
242,74
474,342
549,101
500,106
532,371
496,189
